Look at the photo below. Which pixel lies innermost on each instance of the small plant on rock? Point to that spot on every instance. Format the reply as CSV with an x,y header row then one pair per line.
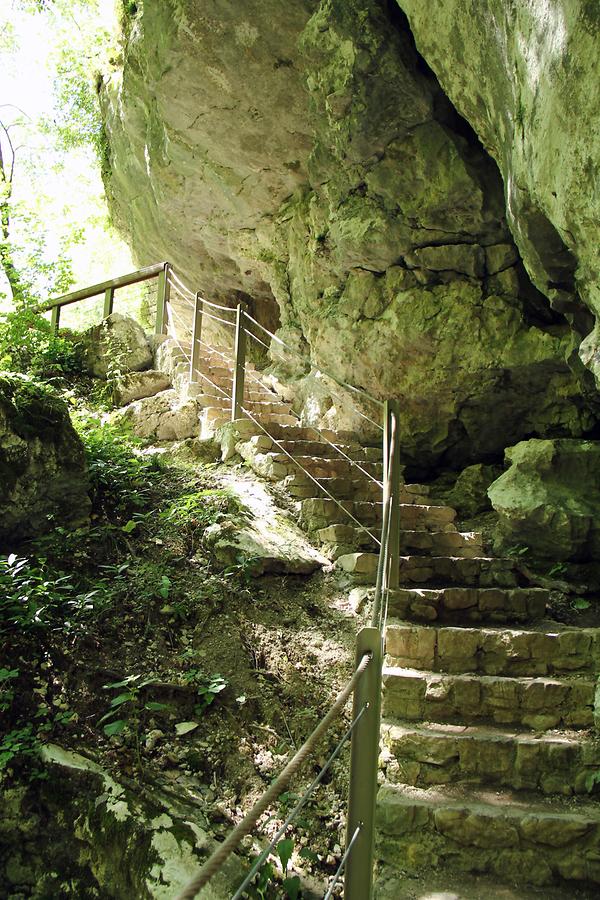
x,y
129,706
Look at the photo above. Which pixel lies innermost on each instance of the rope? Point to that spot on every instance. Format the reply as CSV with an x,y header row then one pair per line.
x,y
246,826
171,315
181,294
312,477
173,277
299,806
207,315
381,586
230,309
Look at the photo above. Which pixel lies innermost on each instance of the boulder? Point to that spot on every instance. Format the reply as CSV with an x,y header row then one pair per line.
x,y
469,494
43,472
118,344
105,838
138,385
549,499
268,540
164,417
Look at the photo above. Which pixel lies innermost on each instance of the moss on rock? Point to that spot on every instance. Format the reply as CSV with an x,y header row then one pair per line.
x,y
43,473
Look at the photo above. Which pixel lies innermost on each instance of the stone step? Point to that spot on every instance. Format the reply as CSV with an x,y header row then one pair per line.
x,y
257,406
213,417
205,390
303,487
317,513
548,649
330,468
353,539
300,432
479,572
521,838
327,451
459,570
465,605
555,763
536,703
355,487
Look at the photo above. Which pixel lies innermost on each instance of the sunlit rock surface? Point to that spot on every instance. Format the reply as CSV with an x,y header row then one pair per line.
x,y
303,157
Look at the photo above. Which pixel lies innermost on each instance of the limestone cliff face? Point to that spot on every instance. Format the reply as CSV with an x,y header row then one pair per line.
x,y
303,156
526,75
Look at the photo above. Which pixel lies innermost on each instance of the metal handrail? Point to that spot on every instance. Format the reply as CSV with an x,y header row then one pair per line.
x,y
248,823
365,684
112,284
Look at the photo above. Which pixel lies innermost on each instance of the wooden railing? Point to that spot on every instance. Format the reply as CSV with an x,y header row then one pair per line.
x,y
160,271
357,862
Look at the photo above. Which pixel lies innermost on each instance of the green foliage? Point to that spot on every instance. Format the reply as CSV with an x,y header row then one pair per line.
x,y
121,477
518,550
192,513
592,781
7,692
18,743
127,701
29,345
127,708
34,595
580,603
207,688
266,883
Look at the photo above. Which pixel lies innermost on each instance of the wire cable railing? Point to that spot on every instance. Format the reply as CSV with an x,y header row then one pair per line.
x,y
274,353
179,285
324,438
349,387
356,862
258,862
321,487
250,820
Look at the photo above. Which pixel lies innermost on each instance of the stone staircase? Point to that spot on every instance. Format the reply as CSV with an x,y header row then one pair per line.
x,y
488,752
488,711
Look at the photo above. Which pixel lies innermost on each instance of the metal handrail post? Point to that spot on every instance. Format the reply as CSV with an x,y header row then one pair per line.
x,y
162,298
393,410
196,336
358,877
55,318
237,394
109,297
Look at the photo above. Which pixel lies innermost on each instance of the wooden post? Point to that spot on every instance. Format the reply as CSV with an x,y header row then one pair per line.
x,y
55,318
109,296
393,410
196,335
237,394
364,755
162,298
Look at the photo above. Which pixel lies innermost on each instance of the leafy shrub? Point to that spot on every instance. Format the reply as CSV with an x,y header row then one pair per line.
x,y
32,595
121,478
28,344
